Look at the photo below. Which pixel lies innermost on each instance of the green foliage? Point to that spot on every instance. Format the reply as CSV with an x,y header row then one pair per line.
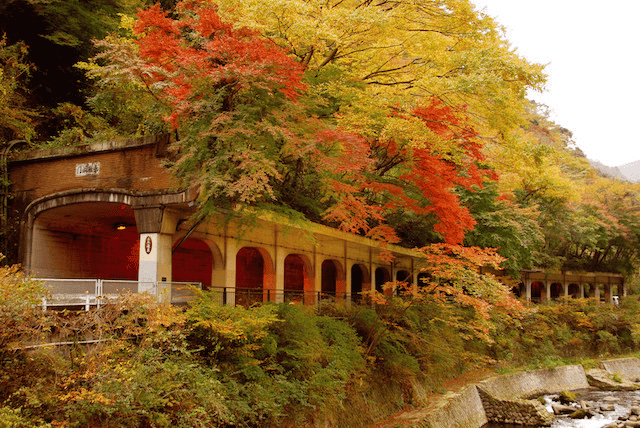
x,y
16,119
567,397
501,224
573,329
616,377
58,34
20,318
274,364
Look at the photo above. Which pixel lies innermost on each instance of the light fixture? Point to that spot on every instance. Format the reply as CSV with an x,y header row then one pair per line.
x,y
120,226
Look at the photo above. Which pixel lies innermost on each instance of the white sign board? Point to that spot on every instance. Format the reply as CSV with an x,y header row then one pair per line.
x,y
84,169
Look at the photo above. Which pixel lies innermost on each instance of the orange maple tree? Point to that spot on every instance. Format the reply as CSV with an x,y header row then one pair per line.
x,y
198,55
375,177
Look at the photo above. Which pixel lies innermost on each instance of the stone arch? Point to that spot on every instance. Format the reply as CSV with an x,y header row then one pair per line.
x,y
382,276
61,234
423,280
70,201
516,290
403,276
537,291
255,276
574,290
82,237
216,281
333,280
360,281
298,279
192,261
556,290
405,279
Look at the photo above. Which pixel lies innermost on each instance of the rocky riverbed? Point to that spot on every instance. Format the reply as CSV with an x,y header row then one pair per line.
x,y
593,409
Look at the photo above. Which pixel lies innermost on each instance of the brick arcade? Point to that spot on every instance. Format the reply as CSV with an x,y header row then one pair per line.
x,y
113,211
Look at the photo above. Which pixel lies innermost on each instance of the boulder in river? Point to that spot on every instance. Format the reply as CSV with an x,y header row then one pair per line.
x,y
581,414
561,409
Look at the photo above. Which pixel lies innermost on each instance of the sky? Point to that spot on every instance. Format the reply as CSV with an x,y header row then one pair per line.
x,y
592,52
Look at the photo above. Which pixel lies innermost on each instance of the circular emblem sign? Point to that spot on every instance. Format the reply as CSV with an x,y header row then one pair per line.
x,y
147,245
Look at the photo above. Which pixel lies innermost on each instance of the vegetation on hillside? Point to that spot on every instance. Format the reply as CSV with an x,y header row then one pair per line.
x,y
138,363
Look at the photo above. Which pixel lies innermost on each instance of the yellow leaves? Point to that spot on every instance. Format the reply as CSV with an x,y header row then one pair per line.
x,y
231,323
403,53
84,395
523,163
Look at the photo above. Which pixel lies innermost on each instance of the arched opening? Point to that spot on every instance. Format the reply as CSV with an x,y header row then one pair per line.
x,y
592,291
404,280
537,291
382,277
557,290
360,281
574,291
192,261
249,276
333,284
356,283
403,276
85,240
294,278
424,279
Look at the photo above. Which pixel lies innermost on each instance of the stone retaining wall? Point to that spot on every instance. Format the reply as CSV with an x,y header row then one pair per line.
x,y
466,410
518,412
462,410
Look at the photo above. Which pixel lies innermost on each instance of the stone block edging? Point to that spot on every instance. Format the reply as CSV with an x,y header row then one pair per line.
x,y
466,410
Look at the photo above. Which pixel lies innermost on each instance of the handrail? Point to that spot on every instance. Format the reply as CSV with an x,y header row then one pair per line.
x,y
94,293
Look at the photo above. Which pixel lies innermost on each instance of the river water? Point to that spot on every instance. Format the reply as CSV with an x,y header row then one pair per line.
x,y
624,401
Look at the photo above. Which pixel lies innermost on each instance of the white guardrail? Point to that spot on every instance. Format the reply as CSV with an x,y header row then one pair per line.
x,y
97,292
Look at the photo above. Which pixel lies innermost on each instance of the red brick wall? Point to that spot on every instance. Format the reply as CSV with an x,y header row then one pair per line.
x,y
135,168
192,261
293,273
58,254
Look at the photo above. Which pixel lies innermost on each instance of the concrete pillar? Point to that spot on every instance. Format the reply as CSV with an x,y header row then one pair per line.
x,y
347,277
547,291
156,226
317,270
230,253
565,285
279,297
155,264
581,292
608,295
372,278
278,260
527,291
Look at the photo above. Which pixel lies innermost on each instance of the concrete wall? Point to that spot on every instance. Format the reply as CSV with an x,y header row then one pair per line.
x,y
465,409
627,367
535,383
462,410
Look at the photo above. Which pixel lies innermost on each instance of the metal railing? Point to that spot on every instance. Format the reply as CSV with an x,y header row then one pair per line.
x,y
251,296
89,293
96,292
